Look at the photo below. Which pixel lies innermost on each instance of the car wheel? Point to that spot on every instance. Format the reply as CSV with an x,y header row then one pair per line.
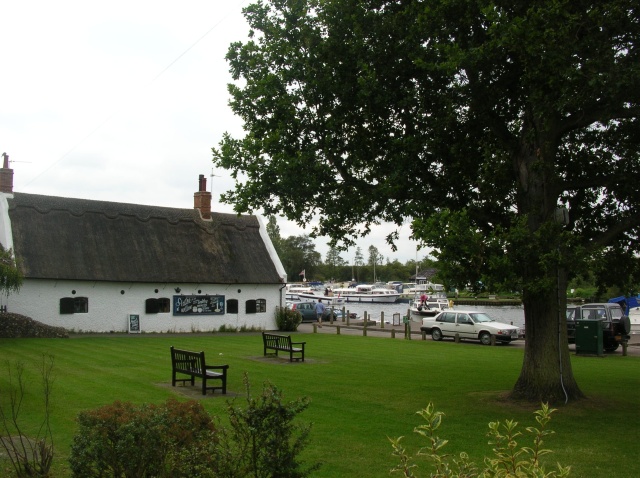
x,y
611,348
436,335
485,338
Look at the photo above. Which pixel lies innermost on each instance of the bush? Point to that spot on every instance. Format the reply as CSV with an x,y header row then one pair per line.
x,y
509,460
287,320
179,440
263,439
141,441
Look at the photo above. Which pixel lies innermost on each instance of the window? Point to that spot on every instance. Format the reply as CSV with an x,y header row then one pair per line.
x,y
157,306
449,317
256,306
232,306
250,306
261,305
74,305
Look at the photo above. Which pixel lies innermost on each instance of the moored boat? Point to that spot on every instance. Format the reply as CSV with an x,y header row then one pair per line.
x,y
315,295
367,293
422,309
293,290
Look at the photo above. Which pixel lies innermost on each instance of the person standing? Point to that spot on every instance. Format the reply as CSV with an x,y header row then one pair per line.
x,y
320,308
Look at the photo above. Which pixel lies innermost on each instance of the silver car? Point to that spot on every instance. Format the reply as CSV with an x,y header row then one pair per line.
x,y
469,324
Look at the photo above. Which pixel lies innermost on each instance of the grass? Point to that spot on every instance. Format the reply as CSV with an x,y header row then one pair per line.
x,y
363,390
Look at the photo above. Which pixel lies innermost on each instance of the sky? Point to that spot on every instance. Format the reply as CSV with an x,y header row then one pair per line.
x,y
123,100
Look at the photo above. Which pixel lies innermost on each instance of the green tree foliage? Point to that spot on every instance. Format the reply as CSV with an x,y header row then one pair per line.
x,y
273,231
10,275
333,261
299,253
477,119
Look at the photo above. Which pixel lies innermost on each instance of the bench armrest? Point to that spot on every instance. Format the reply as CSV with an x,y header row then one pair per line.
x,y
298,343
213,367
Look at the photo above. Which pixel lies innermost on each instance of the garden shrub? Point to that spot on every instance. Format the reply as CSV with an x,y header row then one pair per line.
x,y
287,320
125,440
180,440
263,440
509,460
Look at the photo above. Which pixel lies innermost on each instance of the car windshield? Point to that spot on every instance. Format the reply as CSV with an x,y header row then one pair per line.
x,y
481,317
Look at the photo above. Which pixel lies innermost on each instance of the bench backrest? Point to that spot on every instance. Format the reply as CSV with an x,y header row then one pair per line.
x,y
187,360
278,341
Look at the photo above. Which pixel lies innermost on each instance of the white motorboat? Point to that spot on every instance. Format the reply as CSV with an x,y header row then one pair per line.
x,y
315,295
367,293
436,298
422,309
293,290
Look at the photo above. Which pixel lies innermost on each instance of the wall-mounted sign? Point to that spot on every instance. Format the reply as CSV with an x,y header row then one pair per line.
x,y
198,304
134,323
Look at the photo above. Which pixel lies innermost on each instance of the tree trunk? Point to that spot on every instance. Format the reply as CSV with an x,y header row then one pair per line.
x,y
546,374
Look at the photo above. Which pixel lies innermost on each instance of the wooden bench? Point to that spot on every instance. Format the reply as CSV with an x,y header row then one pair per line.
x,y
283,343
194,365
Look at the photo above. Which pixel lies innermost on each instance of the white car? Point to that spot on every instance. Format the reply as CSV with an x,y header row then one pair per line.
x,y
469,324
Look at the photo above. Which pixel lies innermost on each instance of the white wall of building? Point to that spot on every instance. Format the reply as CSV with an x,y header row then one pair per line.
x,y
110,304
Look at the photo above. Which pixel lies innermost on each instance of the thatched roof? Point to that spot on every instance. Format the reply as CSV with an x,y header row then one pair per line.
x,y
78,239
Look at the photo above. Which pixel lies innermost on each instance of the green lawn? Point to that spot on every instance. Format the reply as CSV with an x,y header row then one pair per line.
x,y
362,390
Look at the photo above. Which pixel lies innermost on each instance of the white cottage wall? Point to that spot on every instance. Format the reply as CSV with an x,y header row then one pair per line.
x,y
109,306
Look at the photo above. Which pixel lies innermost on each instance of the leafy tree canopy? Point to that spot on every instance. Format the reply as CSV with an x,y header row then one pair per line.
x,y
477,119
499,111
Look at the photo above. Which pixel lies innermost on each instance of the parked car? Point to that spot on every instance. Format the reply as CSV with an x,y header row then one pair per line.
x,y
615,325
469,324
308,311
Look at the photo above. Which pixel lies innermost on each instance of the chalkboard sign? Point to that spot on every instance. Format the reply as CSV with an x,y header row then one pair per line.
x,y
134,323
198,304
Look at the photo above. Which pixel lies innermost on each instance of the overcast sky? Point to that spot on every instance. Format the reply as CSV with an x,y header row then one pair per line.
x,y
123,100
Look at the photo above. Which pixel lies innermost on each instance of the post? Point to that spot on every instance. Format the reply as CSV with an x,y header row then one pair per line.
x,y
393,333
315,328
337,330
382,319
343,313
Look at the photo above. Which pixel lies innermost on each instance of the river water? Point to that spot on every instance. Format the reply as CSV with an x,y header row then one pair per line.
x,y
506,314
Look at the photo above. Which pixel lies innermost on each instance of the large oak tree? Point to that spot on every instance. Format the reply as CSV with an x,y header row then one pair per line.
x,y
479,120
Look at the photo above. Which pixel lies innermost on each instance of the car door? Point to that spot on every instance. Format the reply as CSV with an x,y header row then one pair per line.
x,y
308,312
447,323
465,326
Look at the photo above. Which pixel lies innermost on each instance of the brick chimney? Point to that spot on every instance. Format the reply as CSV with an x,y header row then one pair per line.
x,y
202,199
6,175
